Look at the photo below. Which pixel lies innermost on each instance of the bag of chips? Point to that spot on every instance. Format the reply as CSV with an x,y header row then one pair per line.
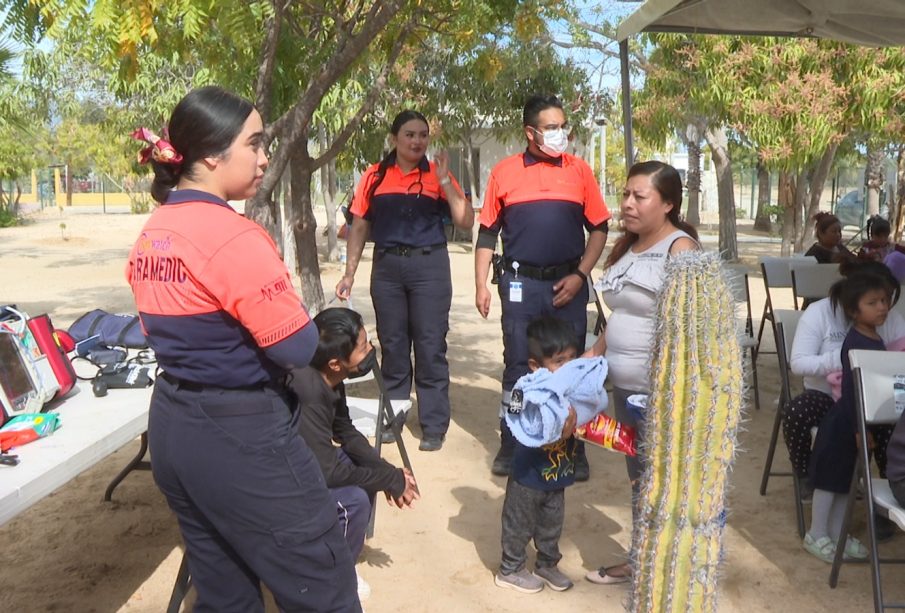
x,y
26,428
608,433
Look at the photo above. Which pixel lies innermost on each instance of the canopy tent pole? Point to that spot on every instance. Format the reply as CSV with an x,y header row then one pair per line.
x,y
626,105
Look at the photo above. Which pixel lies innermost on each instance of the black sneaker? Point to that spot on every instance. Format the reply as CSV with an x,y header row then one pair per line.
x,y
431,442
502,463
387,437
582,468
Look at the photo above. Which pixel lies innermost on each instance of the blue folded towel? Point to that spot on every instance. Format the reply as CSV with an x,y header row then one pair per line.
x,y
546,397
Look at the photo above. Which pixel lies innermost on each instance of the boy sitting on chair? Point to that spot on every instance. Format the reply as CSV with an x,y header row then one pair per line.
x,y
353,471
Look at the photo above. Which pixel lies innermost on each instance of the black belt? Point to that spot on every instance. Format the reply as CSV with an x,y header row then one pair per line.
x,y
276,385
405,250
544,273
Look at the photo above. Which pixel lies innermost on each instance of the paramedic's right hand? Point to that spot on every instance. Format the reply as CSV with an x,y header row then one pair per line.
x,y
344,287
482,300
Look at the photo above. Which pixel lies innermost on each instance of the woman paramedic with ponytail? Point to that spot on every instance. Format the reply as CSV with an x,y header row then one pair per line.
x,y
248,493
400,204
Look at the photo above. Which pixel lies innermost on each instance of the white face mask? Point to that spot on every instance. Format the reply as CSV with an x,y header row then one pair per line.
x,y
555,141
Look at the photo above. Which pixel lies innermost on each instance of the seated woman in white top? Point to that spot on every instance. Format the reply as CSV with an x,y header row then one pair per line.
x,y
816,354
634,273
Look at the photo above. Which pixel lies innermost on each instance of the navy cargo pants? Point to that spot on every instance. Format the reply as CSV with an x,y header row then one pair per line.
x,y
250,498
412,295
537,300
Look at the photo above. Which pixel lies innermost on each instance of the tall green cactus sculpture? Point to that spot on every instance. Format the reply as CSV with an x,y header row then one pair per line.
x,y
690,439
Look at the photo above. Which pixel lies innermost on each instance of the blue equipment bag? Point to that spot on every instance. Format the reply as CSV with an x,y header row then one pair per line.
x,y
115,330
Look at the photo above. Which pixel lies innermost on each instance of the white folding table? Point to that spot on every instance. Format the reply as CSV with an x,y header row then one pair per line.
x,y
91,429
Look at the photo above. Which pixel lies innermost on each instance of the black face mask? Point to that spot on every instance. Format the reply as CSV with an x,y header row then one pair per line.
x,y
366,365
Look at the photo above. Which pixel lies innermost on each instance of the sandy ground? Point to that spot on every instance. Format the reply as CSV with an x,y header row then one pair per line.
x,y
72,552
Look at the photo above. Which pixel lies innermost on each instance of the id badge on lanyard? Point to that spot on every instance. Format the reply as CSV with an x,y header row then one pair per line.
x,y
515,286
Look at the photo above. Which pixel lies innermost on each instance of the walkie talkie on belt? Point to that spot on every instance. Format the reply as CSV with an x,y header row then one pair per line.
x,y
498,265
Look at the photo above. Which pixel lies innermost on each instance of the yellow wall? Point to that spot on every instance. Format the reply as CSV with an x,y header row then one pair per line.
x,y
78,199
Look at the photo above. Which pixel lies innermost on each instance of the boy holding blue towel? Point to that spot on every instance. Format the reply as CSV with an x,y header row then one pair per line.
x,y
559,392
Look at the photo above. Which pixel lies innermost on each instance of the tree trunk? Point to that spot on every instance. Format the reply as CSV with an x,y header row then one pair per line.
x,y
284,188
468,149
261,209
817,180
329,198
719,149
332,192
873,178
304,229
900,194
14,207
762,220
291,130
692,139
278,200
264,84
787,202
68,186
800,207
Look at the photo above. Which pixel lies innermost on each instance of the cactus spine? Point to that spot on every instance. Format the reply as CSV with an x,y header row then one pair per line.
x,y
689,440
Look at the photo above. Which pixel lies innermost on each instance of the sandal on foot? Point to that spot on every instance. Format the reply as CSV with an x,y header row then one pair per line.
x,y
604,576
823,548
854,549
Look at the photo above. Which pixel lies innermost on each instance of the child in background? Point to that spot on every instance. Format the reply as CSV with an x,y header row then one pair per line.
x,y
879,246
865,301
535,493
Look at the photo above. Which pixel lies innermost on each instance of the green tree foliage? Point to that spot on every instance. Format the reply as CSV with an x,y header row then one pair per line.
x,y
478,95
17,153
795,101
300,61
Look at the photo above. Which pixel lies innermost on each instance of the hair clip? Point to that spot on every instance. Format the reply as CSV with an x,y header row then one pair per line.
x,y
158,149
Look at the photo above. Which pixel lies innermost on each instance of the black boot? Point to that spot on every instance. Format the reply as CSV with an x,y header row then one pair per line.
x,y
502,463
582,468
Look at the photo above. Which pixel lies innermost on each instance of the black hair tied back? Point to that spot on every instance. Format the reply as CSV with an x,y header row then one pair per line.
x,y
204,124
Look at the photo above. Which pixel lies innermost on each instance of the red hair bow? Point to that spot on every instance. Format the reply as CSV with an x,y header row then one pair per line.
x,y
158,149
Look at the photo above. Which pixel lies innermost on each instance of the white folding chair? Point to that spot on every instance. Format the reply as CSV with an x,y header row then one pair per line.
x,y
874,373
738,283
786,325
811,282
777,274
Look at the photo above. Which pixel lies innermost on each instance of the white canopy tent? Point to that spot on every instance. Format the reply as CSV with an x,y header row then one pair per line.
x,y
875,23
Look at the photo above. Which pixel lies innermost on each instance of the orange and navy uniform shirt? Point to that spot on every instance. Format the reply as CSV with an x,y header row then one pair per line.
x,y
212,292
406,209
541,209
